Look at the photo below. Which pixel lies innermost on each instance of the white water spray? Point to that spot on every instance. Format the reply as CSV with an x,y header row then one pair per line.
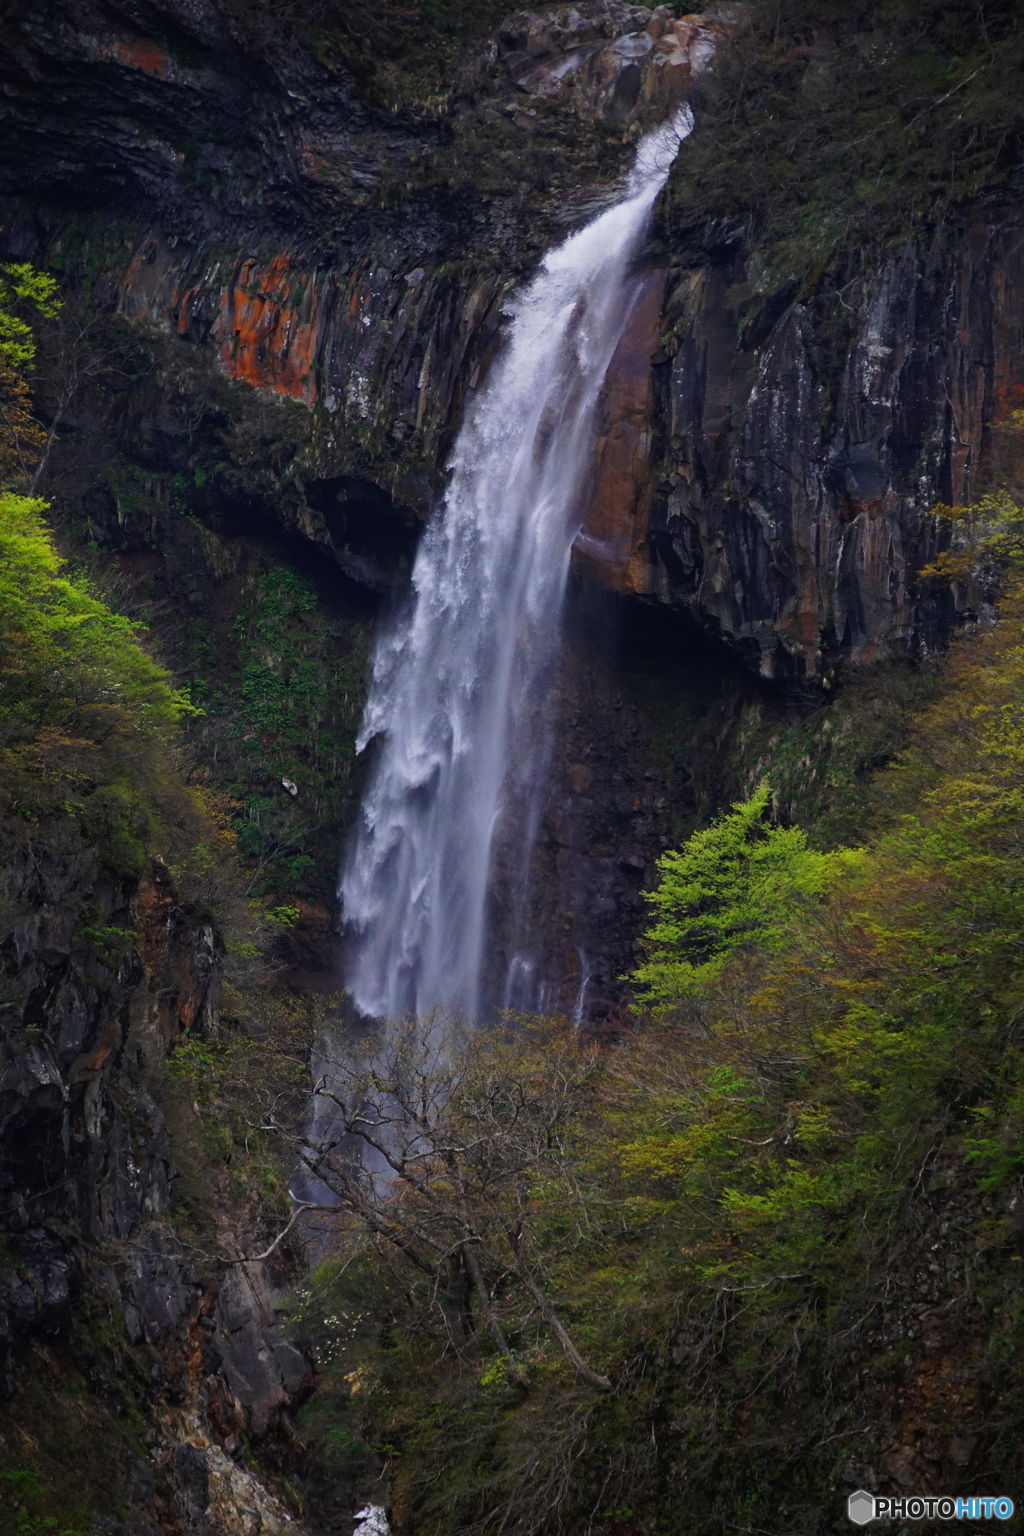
x,y
462,678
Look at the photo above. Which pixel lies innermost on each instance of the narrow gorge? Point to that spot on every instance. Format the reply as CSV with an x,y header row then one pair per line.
x,y
514,518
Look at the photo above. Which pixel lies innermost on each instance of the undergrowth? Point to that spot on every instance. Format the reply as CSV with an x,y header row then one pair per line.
x,y
779,1218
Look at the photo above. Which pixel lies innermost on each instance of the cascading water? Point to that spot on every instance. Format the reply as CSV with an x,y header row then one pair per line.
x,y
462,677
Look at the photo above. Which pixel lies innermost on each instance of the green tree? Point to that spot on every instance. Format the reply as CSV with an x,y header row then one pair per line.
x,y
732,884
21,287
64,653
23,291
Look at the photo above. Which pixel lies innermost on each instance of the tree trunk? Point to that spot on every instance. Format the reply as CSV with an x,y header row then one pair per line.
x,y
515,1375
591,1377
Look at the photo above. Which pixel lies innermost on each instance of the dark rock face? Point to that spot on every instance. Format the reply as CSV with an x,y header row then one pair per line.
x,y
112,103
795,477
106,976
273,223
793,456
769,467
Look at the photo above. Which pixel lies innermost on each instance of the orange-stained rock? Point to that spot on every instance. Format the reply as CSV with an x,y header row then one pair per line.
x,y
143,54
269,327
609,542
267,318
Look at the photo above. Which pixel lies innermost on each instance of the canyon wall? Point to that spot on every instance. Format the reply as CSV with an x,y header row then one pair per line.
x,y
131,1352
770,454
283,296
795,441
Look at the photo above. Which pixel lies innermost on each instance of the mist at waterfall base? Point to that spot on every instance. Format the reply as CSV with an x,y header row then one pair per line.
x,y
460,698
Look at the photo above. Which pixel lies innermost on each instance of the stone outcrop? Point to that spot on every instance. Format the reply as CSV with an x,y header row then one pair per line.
x,y
101,977
797,439
621,62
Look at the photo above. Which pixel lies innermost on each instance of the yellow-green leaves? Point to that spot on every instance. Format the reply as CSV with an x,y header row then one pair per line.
x,y
987,537
63,651
23,291
737,883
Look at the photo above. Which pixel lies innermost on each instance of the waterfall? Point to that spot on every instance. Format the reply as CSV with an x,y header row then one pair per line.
x,y
462,676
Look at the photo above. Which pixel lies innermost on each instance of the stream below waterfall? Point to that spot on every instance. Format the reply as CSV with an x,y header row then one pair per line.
x,y
460,705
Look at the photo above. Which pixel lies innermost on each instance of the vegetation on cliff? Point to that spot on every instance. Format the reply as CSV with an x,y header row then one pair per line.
x,y
23,291
86,714
175,536
91,747
121,873
780,1218
825,124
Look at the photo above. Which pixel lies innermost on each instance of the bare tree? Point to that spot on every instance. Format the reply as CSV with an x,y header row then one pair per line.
x,y
78,346
443,1144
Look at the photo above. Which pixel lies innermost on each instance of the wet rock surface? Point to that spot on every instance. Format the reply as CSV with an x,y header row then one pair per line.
x,y
797,459
776,467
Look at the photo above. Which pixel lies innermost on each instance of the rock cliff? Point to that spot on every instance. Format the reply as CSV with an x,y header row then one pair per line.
x,y
131,1362
769,456
787,446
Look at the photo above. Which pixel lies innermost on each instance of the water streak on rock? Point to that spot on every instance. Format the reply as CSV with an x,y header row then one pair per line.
x,y
462,677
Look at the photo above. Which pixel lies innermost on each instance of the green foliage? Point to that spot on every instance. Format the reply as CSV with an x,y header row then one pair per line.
x,y
25,295
733,884
21,1493
23,289
89,727
772,1215
67,657
827,124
